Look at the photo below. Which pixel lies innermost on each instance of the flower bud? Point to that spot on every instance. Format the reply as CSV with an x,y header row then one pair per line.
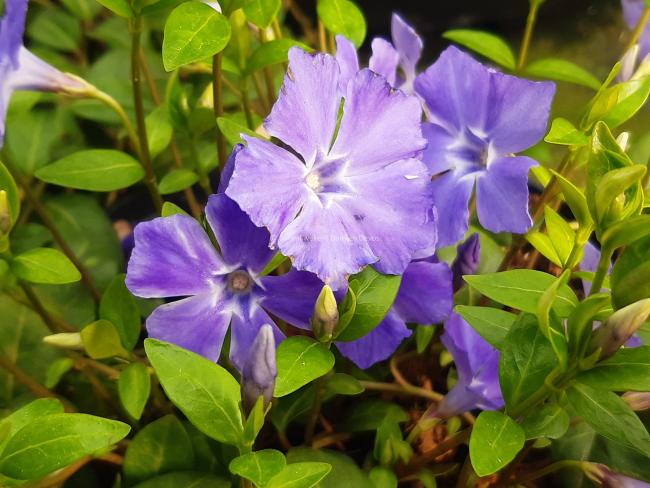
x,y
619,327
467,260
259,370
604,476
326,315
5,214
65,340
637,400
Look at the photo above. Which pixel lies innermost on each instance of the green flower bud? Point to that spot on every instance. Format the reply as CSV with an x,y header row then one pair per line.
x,y
5,214
65,340
619,327
326,315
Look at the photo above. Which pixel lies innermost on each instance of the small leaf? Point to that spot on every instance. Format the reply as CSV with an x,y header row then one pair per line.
x,y
423,336
496,440
232,129
119,307
300,475
56,370
565,133
300,360
93,170
8,184
261,12
159,130
170,209
630,278
627,370
177,180
185,479
120,7
383,477
619,103
576,201
562,70
561,234
134,386
101,340
343,17
343,384
273,52
193,31
550,421
492,324
258,467
45,265
28,413
484,43
543,244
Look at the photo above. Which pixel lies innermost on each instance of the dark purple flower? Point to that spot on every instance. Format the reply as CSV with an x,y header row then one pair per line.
x,y
343,198
19,68
477,363
478,118
467,260
632,12
174,257
607,478
259,370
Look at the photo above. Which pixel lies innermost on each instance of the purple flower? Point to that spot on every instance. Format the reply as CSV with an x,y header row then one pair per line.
x,y
607,478
478,118
259,370
589,262
174,257
342,196
425,297
477,363
632,12
19,68
467,260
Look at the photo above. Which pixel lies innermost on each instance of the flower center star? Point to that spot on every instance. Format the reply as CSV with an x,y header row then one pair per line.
x,y
240,281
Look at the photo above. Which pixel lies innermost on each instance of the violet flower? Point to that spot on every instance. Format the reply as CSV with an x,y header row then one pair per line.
x,y
477,363
259,370
19,68
632,12
478,118
467,260
174,257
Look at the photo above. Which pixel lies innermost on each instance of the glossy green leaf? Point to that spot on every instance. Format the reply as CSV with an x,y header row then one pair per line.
x,y
185,479
627,370
492,324
614,183
343,17
423,337
232,128
496,440
293,407
120,7
273,52
370,414
134,386
564,133
159,130
383,477
625,233
55,441
55,29
170,209
345,471
619,103
258,467
300,360
119,307
101,340
550,421
484,43
204,391
8,184
562,70
45,265
261,12
56,370
300,475
549,324
193,31
343,384
26,414
576,201
543,244
93,170
177,180
630,277
561,234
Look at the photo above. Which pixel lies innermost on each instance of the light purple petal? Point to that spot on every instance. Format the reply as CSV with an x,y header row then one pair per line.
x,y
306,111
451,194
242,243
346,57
198,324
467,260
12,27
35,74
292,296
379,344
246,324
437,156
425,295
502,195
384,59
173,257
5,98
379,125
268,184
226,174
408,45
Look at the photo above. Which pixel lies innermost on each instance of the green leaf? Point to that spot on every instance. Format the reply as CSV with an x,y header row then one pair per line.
x,y
383,477
343,384
576,201
609,416
625,233
627,370
82,9
159,130
561,234
177,180
370,414
496,440
300,360
543,244
343,17
273,52
162,446
170,209
630,278
101,340
619,103
93,170
522,289
134,386
614,183
258,467
193,31
344,471
562,70
31,136
423,336
564,133
375,294
45,265
300,475
55,441
289,408
56,370
8,184
492,324
484,43
232,127
261,12
55,29
527,358
120,7
185,479
205,392
28,413
550,421
119,307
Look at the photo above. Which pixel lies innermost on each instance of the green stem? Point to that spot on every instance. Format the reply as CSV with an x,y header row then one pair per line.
x,y
136,81
601,271
217,101
528,33
315,410
551,468
113,104
638,30
247,104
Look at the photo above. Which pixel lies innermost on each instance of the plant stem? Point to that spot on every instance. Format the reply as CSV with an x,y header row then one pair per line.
x,y
32,385
319,386
136,81
247,104
528,33
217,101
402,389
113,104
638,30
322,37
601,271
268,74
38,307
419,462
548,470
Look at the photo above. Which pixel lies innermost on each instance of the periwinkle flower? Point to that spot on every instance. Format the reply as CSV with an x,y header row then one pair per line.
x,y
632,12
19,68
341,196
607,478
467,260
259,370
619,328
479,118
477,363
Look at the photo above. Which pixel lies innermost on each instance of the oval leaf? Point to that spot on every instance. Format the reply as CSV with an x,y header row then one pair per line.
x,y
261,12
133,387
45,265
484,43
343,17
300,475
177,180
300,360
562,70
496,440
259,466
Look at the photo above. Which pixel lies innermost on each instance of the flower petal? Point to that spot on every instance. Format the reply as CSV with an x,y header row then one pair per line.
x,y
379,125
306,111
384,59
12,27
379,344
425,295
198,324
35,74
346,56
173,257
408,44
292,296
437,156
244,330
226,173
502,195
242,243
268,184
451,194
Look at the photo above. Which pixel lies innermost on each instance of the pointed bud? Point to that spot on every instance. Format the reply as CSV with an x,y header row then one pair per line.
x,y
637,400
326,315
603,476
65,340
467,260
628,63
259,371
5,214
619,327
